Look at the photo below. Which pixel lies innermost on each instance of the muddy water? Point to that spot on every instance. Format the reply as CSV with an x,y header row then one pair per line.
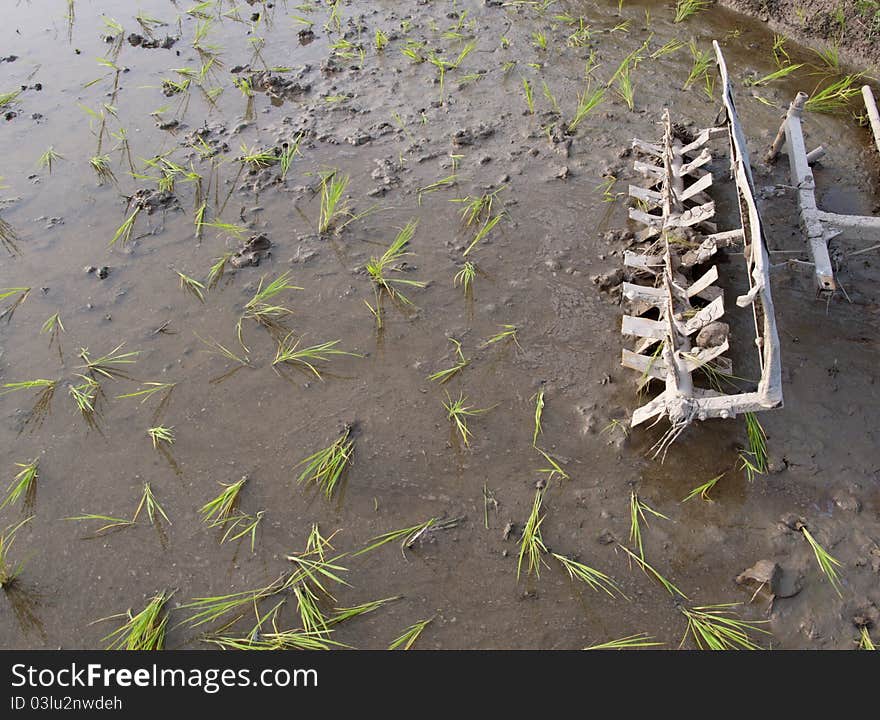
x,y
535,273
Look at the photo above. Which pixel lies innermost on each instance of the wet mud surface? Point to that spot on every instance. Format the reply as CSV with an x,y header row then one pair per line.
x,y
853,28
387,122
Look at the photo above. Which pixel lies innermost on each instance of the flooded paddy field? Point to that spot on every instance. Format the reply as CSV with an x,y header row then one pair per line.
x,y
429,187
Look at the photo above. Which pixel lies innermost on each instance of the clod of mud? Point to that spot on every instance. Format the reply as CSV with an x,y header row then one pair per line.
x,y
469,136
152,200
255,249
609,280
792,522
866,616
766,574
847,502
713,334
207,139
136,40
278,87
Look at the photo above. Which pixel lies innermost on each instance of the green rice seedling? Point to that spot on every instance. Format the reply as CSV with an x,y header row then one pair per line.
x,y
310,613
714,627
53,326
314,571
8,98
10,571
143,631
446,182
700,68
780,55
465,277
531,543
587,102
85,396
484,231
625,88
161,434
380,40
18,295
407,536
175,87
596,579
554,469
43,401
444,376
110,523
530,100
259,308
827,563
108,365
782,72
48,158
151,505
670,46
539,40
342,614
378,268
703,490
191,285
615,424
122,145
219,510
508,334
835,97
637,510
333,204
148,24
376,311
317,544
27,385
257,159
289,150
539,413
325,468
237,231
243,524
648,569
458,412
410,635
580,36
687,8
639,640
226,352
550,97
865,642
830,56
215,274
123,232
8,238
24,485
276,640
210,609
101,165
753,459
288,351
413,50
147,392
